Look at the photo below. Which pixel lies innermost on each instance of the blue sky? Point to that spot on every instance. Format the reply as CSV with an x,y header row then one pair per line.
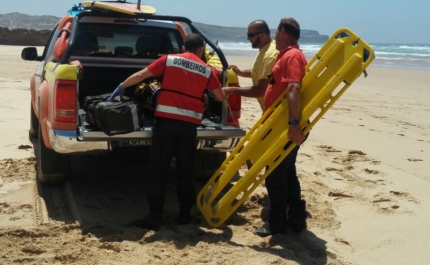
x,y
375,21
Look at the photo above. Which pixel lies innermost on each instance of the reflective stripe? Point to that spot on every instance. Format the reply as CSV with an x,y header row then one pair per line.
x,y
178,111
188,65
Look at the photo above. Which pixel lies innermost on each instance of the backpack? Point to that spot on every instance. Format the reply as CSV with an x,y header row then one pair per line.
x,y
146,94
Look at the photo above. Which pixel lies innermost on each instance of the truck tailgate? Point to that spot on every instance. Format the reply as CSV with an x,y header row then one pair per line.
x,y
207,130
210,136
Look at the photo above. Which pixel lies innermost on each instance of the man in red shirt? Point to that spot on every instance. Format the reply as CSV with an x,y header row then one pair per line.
x,y
282,184
178,112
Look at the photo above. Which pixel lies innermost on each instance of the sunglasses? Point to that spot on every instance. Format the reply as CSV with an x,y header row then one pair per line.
x,y
253,34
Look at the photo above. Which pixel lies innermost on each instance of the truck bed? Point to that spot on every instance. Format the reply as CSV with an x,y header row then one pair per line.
x,y
212,134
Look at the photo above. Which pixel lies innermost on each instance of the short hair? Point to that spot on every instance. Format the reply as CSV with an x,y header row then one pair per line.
x,y
193,42
261,25
291,27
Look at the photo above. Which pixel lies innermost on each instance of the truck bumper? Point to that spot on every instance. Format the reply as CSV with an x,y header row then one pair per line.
x,y
70,142
66,142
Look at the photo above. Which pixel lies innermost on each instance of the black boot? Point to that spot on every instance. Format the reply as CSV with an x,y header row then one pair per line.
x,y
267,230
297,216
152,222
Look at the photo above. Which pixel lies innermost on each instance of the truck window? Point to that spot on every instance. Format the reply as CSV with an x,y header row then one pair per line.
x,y
124,40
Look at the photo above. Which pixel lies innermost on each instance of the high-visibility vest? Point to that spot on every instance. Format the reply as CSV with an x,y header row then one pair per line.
x,y
189,76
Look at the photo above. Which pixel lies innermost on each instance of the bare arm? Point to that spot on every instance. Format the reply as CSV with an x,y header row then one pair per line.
x,y
295,134
244,73
137,77
252,91
219,94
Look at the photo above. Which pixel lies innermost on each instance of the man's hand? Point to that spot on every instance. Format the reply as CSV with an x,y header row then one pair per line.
x,y
296,135
205,99
243,73
235,69
153,87
119,91
228,91
79,65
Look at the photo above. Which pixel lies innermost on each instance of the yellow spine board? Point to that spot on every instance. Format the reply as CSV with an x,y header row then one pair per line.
x,y
330,72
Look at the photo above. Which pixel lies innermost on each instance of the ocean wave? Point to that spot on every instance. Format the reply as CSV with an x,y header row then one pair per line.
x,y
416,56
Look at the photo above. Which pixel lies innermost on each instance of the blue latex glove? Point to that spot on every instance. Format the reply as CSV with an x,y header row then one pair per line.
x,y
119,91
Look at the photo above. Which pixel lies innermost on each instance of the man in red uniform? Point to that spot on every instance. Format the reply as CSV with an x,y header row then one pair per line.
x,y
282,184
178,112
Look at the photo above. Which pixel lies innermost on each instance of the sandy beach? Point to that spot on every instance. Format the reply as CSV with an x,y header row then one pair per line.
x,y
364,173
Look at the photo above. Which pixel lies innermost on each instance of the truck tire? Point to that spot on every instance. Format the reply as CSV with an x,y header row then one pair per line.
x,y
52,167
33,132
208,163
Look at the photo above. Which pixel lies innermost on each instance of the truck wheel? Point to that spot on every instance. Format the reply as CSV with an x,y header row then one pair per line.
x,y
208,163
52,168
34,124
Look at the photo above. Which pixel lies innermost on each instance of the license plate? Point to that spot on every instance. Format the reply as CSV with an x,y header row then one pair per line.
x,y
137,142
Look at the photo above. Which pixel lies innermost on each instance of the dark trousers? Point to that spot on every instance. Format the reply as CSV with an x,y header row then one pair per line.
x,y
283,188
172,138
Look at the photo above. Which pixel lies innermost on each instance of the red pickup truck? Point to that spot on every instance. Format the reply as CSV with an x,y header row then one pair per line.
x,y
91,52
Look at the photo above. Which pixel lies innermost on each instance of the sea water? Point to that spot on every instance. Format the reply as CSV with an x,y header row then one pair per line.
x,y
404,56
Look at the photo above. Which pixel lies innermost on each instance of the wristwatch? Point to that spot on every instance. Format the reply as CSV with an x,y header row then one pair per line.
x,y
293,122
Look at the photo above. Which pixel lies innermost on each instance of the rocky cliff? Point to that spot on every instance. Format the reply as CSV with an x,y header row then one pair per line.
x,y
18,20
21,29
24,37
236,34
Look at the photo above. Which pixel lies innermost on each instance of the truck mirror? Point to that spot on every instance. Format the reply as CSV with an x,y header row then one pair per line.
x,y
29,54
